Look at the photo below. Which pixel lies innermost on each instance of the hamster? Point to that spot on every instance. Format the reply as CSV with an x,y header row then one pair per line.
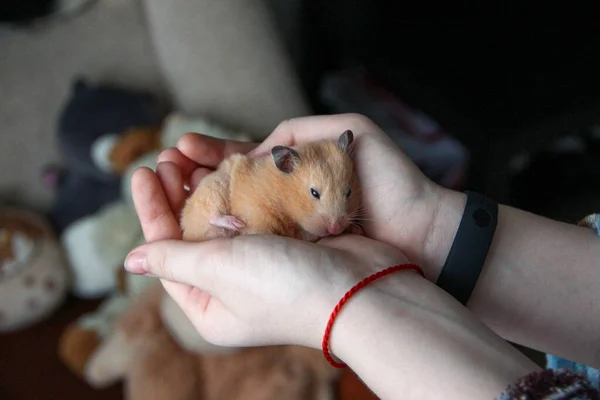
x,y
305,192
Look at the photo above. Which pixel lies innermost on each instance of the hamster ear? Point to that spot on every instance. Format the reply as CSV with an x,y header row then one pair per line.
x,y
285,158
345,140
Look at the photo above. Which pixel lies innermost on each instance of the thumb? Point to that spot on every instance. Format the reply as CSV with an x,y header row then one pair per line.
x,y
191,263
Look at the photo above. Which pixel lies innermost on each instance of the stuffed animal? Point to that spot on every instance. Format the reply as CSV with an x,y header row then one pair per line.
x,y
33,274
91,114
141,351
97,244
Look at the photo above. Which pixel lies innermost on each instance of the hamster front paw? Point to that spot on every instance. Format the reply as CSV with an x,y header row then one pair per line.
x,y
227,222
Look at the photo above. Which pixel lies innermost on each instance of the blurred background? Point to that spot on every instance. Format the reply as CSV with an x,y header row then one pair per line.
x,y
478,96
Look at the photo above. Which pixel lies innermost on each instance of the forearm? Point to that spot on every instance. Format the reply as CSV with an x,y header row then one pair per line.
x,y
540,285
431,349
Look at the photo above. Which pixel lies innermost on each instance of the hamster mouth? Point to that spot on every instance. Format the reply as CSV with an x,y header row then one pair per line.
x,y
324,231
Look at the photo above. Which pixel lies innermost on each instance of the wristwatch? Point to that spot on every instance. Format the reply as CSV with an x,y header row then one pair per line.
x,y
470,247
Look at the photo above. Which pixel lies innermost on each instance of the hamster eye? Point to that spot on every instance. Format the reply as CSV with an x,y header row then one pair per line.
x,y
315,194
348,193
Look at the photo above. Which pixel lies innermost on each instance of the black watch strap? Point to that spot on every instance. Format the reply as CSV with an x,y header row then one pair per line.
x,y
470,247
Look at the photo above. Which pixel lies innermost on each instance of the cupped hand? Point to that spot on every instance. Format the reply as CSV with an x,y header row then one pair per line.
x,y
262,290
400,203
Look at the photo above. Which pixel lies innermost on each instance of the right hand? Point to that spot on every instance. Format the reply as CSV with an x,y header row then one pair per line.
x,y
400,203
256,290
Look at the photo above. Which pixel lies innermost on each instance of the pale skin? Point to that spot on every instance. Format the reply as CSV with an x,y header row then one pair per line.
x,y
538,287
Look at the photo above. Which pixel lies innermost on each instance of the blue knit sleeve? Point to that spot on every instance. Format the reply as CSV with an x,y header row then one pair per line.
x,y
553,362
551,384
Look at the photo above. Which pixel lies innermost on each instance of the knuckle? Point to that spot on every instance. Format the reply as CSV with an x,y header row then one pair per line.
x,y
159,265
284,126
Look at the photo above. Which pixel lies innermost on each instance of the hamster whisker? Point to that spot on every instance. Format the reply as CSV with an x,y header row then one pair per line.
x,y
359,208
358,213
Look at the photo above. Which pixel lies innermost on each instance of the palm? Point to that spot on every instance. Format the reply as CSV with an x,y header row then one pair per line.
x,y
204,311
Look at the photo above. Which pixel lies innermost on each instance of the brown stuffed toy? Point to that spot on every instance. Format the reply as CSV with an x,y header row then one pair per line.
x,y
133,144
142,352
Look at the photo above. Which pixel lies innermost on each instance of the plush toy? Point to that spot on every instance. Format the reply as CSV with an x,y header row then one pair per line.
x,y
97,244
33,274
91,114
142,352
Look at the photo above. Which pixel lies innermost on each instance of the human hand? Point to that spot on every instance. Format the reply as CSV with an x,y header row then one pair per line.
x,y
260,289
400,204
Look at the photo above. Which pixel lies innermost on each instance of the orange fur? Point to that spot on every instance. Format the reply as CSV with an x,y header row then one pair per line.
x,y
133,144
268,200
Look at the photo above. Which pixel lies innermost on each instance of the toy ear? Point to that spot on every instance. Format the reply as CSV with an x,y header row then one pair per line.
x,y
285,158
79,85
345,140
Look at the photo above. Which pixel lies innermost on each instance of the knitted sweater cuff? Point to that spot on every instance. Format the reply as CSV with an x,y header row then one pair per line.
x,y
551,384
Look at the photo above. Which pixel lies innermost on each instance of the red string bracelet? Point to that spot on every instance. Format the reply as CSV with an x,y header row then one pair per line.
x,y
349,294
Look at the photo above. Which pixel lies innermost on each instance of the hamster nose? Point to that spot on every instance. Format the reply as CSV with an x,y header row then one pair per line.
x,y
336,228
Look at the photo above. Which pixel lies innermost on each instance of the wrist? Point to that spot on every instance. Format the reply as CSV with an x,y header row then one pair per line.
x,y
449,209
379,304
393,330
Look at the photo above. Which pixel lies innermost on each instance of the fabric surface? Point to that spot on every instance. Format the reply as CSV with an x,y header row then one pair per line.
x,y
250,86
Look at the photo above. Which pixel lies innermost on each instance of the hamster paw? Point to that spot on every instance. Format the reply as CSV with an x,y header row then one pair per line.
x,y
227,221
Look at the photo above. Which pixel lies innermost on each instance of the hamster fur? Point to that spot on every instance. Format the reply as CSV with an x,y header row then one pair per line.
x,y
306,192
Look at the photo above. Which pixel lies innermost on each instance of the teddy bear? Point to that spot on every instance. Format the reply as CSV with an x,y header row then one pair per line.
x,y
34,277
140,351
92,114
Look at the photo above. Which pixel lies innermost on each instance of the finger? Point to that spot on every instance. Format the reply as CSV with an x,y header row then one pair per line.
x,y
190,263
209,151
175,156
152,207
171,180
197,176
307,129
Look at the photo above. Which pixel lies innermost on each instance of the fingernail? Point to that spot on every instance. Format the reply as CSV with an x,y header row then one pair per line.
x,y
136,263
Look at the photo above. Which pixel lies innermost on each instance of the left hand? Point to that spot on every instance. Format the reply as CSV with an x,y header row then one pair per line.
x,y
256,290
